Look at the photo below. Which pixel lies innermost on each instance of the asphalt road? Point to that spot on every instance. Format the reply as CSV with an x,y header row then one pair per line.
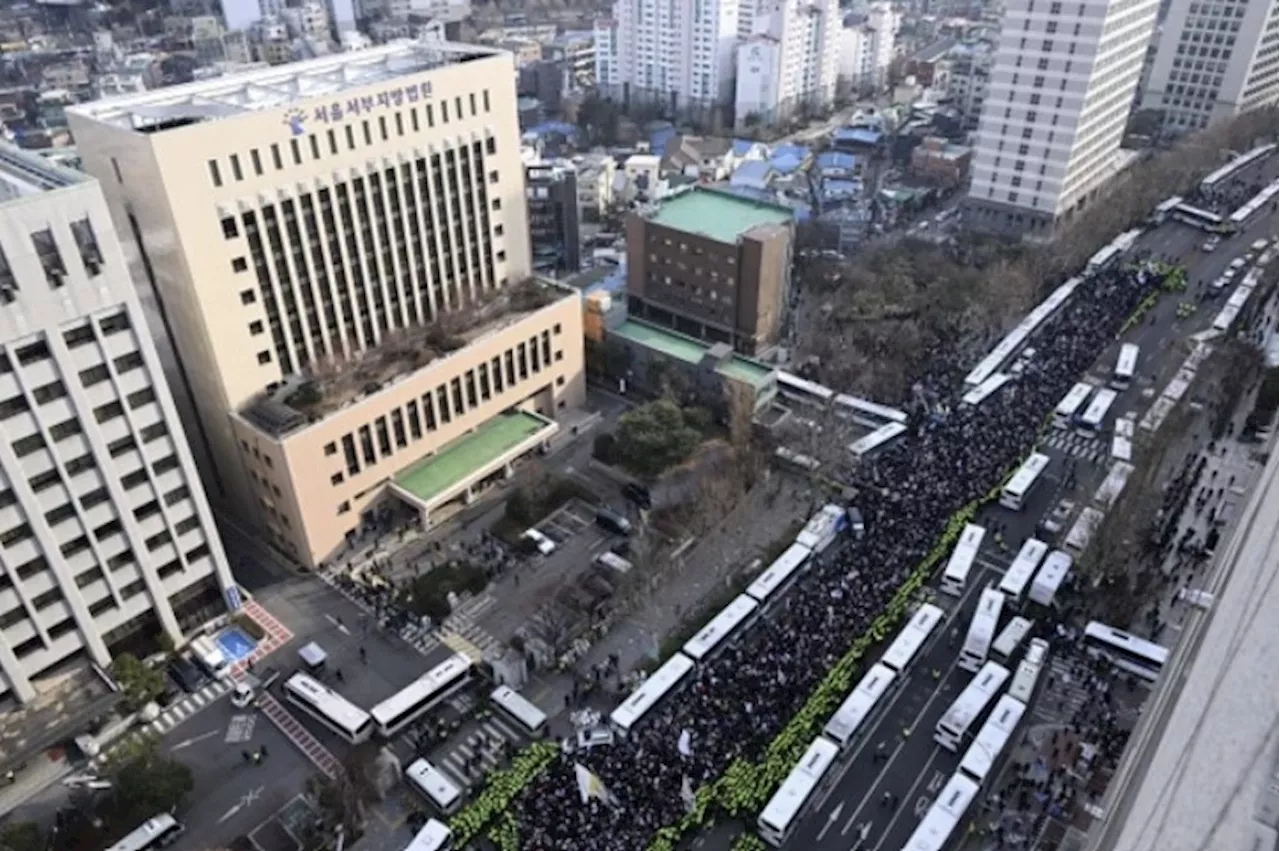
x,y
850,813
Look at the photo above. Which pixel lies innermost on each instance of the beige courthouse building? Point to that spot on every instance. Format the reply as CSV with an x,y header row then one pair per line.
x,y
340,253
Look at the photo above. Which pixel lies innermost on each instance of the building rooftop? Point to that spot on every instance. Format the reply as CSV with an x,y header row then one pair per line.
x,y
278,86
691,351
307,398
460,458
1205,777
718,215
25,173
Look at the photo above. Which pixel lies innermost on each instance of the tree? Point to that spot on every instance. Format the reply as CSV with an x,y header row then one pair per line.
x,y
139,683
143,782
654,437
22,836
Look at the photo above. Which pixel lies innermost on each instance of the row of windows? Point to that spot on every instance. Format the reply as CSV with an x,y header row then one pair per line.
x,y
46,247
386,251
101,607
371,443
337,111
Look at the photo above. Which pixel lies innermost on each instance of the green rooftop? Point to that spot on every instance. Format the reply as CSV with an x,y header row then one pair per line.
x,y
679,347
718,215
437,474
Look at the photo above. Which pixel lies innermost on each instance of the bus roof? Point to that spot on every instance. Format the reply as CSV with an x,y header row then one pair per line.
x,y
1025,477
649,692
1015,579
144,833
432,837
977,694
1014,340
776,574
719,628
433,782
913,635
1097,410
855,708
1074,399
983,391
939,823
795,790
1113,485
992,738
966,549
876,439
342,711
411,695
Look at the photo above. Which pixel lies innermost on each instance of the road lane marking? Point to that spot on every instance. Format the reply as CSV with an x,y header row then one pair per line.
x,y
893,819
341,626
186,743
942,682
831,819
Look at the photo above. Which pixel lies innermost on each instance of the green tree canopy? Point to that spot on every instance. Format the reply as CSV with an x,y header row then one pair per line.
x,y
654,437
139,683
22,836
144,782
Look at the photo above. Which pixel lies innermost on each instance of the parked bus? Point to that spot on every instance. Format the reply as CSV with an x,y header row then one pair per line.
x,y
660,683
156,832
1015,579
717,633
859,705
959,718
777,577
986,389
1091,421
1023,687
1199,218
876,440
1081,533
1126,652
913,636
823,528
977,643
427,780
329,708
961,561
1065,414
1015,493
1126,367
529,719
980,759
422,695
939,824
1006,643
780,816
434,836
1113,485
1161,214
1049,578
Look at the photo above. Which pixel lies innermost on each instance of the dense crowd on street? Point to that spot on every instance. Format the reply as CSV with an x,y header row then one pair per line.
x,y
737,703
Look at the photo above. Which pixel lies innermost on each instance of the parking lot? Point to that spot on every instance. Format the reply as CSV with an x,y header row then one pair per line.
x,y
575,517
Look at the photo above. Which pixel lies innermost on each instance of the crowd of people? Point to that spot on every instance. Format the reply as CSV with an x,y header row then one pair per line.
x,y
737,703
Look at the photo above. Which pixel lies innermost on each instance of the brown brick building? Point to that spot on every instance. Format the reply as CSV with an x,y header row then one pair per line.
x,y
712,265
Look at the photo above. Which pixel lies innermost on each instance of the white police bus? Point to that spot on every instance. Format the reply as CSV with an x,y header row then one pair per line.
x,y
780,816
959,718
329,708
1126,366
1014,494
982,629
961,562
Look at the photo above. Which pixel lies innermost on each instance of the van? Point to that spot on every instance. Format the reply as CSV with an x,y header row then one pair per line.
x,y
188,677
613,562
207,655
607,518
856,525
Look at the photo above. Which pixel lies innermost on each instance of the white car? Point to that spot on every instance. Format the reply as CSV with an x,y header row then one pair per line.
x,y
242,695
545,545
1210,244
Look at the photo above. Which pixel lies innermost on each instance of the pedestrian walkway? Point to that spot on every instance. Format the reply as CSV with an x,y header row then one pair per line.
x,y
472,756
1077,446
1063,694
299,735
276,635
188,706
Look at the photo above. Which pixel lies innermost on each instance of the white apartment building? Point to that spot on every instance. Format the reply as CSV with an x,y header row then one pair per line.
x,y
1216,59
968,79
104,526
669,49
1059,97
792,60
866,47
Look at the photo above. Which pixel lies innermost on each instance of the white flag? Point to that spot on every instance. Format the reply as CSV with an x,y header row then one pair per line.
x,y
589,785
685,743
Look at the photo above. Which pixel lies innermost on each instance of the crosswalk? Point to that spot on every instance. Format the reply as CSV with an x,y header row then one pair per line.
x,y
1071,443
188,706
293,730
474,755
1061,700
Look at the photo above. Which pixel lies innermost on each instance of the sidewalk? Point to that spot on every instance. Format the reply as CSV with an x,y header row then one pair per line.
x,y
704,571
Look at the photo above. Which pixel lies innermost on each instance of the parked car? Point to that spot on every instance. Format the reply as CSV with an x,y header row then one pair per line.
x,y
637,495
188,677
1211,243
541,542
607,518
242,695
1059,517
